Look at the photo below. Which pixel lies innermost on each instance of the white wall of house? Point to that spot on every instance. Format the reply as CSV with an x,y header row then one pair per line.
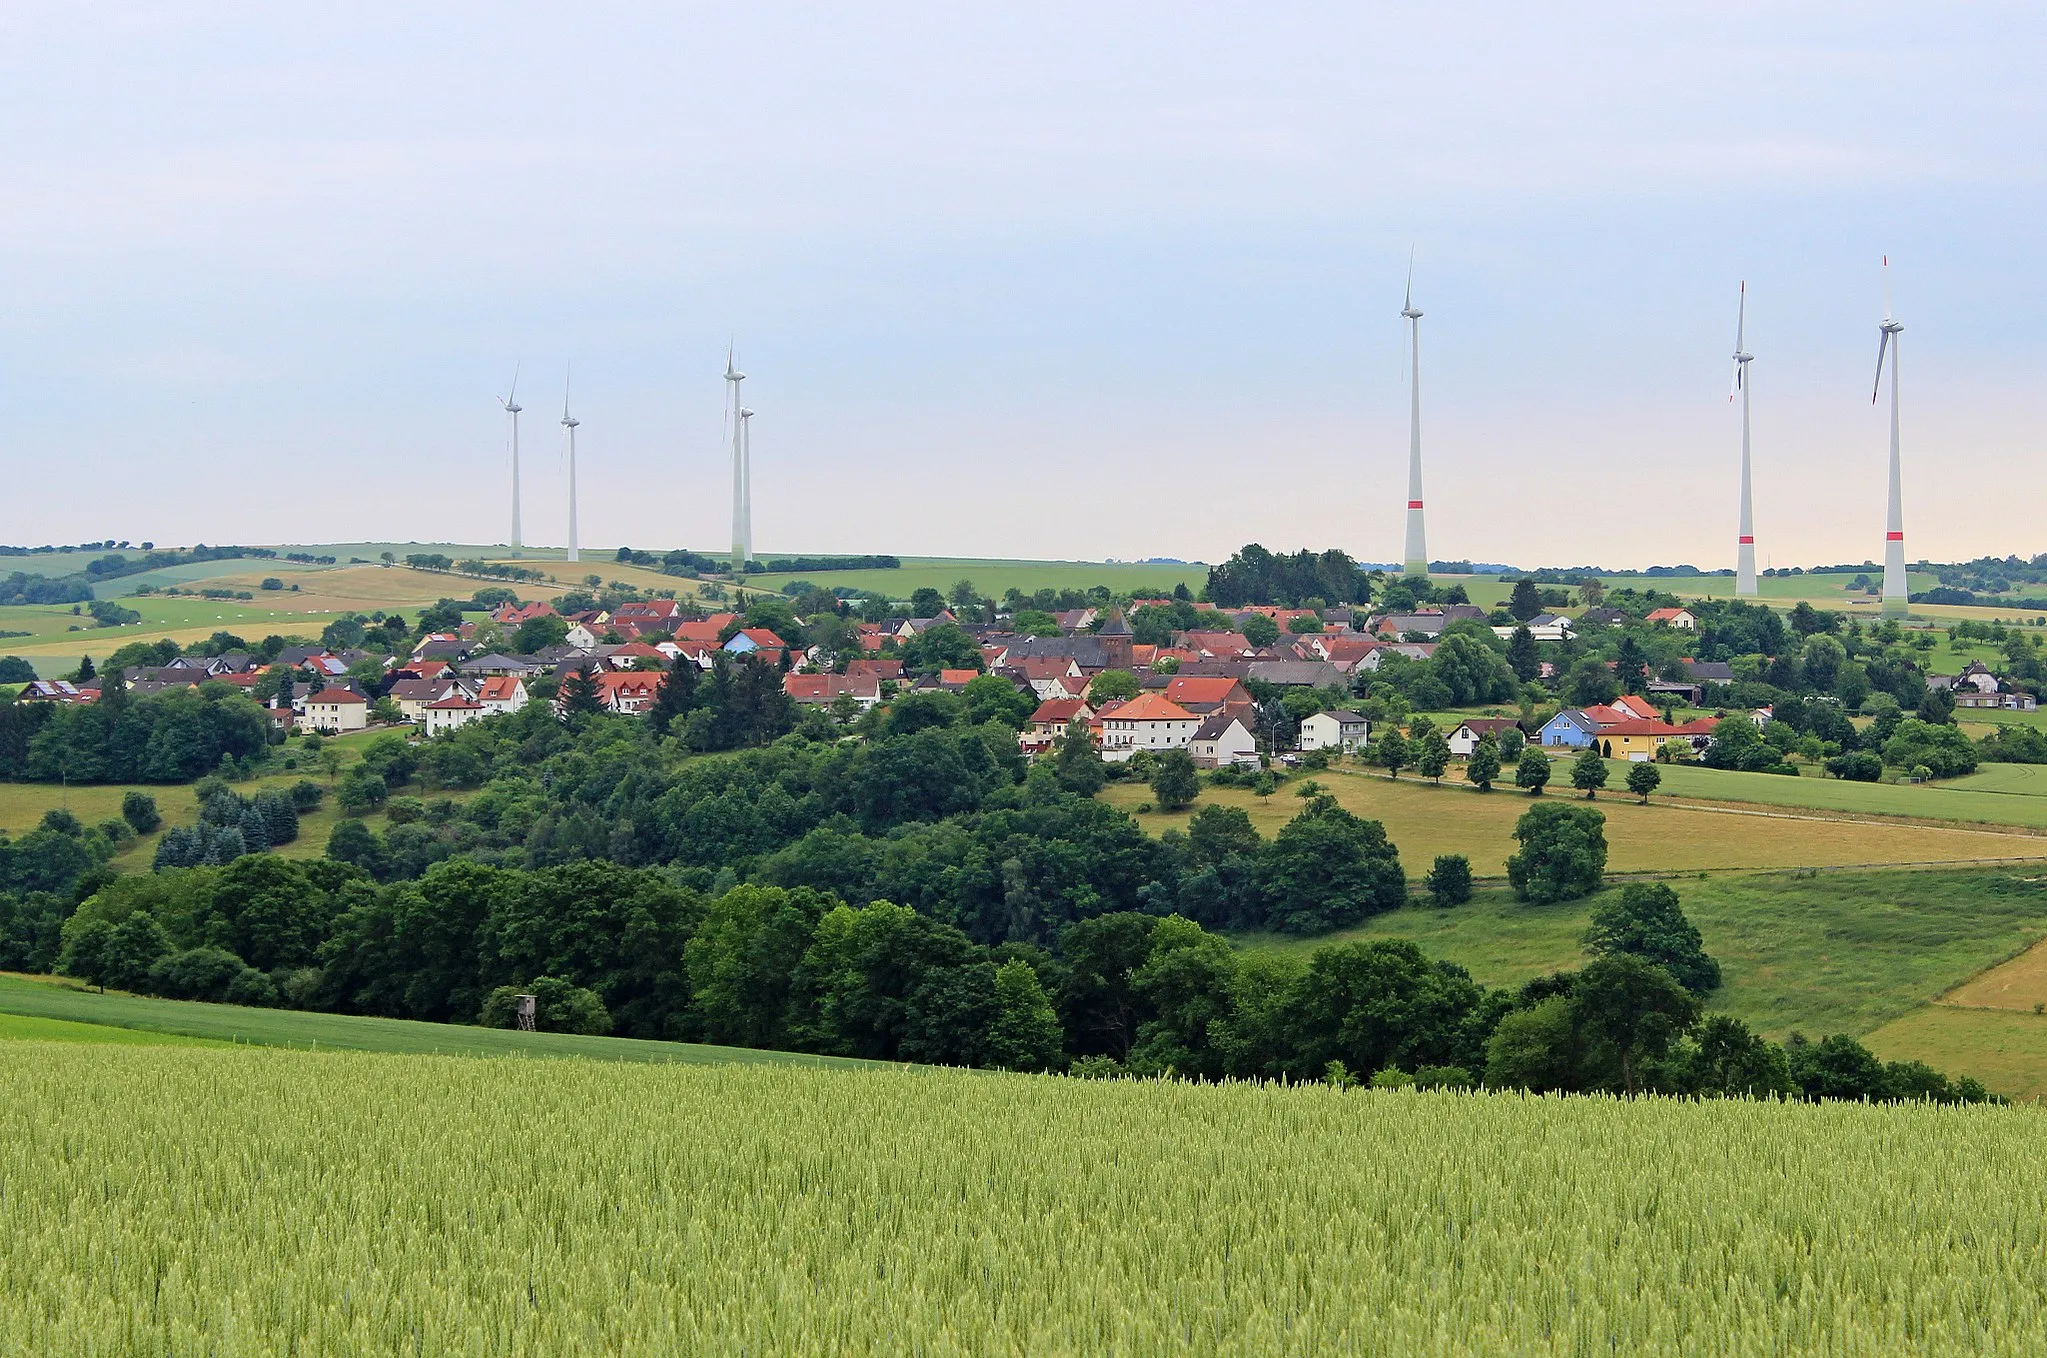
x,y
1323,732
1122,739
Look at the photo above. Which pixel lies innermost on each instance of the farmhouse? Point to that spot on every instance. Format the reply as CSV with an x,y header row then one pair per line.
x,y
1681,619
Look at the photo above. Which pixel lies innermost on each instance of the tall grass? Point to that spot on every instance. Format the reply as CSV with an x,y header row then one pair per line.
x,y
188,1202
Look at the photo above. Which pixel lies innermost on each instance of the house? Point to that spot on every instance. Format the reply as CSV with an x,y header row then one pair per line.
x,y
1330,730
627,691
1077,619
1049,676
1571,728
881,671
1636,707
413,695
1205,694
1221,740
952,681
1048,724
2009,702
1636,741
581,636
755,639
1471,730
495,664
451,713
822,690
1976,675
1681,619
633,653
1147,722
55,691
1691,695
704,629
514,614
1399,626
1297,673
1602,617
1221,645
501,694
648,614
334,710
1543,627
1412,650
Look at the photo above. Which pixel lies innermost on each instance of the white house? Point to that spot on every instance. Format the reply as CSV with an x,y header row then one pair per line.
x,y
501,694
334,710
1343,731
581,637
451,713
1223,740
1682,619
1543,627
1147,722
1471,730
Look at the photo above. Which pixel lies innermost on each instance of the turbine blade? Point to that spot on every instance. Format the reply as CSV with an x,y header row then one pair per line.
x,y
1887,287
1741,317
1883,343
1408,303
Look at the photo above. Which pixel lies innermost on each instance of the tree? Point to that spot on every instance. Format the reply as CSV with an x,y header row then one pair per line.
x,y
1110,685
926,603
1391,751
537,634
580,695
1099,1005
1449,879
1432,755
1175,782
1592,592
1633,1008
138,808
361,792
1484,765
675,697
1035,622
1327,868
1025,1034
559,1007
990,697
1646,921
1077,764
1533,770
1630,664
1260,630
1592,684
1562,854
1866,766
1217,834
1643,778
1942,750
1526,600
1588,772
1521,655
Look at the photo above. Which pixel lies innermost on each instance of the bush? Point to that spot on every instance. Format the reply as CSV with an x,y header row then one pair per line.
x,y
138,808
252,988
1449,880
307,795
361,792
405,810
1562,854
1857,766
559,1008
196,974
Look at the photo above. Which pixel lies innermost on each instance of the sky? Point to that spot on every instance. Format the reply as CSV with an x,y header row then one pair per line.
x,y
1041,280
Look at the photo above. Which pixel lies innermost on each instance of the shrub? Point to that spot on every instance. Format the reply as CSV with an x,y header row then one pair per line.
x,y
138,808
1857,766
559,1008
405,810
196,974
306,795
1449,879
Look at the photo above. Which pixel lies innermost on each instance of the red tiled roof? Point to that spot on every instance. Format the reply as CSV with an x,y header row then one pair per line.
x,y
1058,710
958,676
337,695
1151,706
454,702
1196,688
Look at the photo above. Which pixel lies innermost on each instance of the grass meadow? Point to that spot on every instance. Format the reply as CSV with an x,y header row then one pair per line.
x,y
258,1202
1833,952
1665,836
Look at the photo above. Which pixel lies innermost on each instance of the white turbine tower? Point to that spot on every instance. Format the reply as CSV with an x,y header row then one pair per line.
x,y
746,483
1745,547
1417,541
569,422
740,508
512,408
1896,592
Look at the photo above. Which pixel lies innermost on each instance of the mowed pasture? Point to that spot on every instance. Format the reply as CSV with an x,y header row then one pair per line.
x,y
24,1028
1831,952
1427,820
259,1202
1959,800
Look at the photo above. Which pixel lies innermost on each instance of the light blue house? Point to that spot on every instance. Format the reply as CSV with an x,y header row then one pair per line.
x,y
1571,728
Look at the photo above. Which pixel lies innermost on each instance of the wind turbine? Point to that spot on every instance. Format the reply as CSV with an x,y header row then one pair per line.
x,y
739,502
569,422
1417,541
512,408
746,483
1745,548
1896,593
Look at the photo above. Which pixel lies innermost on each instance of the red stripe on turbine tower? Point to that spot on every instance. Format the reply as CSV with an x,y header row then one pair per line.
x,y
1894,537
1746,541
1414,504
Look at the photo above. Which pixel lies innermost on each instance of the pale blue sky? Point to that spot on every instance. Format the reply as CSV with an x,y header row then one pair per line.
x,y
1038,280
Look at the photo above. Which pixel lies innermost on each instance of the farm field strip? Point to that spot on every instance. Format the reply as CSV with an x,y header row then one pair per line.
x,y
2005,1049
43,998
1663,837
249,1202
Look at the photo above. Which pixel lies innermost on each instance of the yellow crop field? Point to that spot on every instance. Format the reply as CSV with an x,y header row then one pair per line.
x,y
2019,984
2005,1049
1425,820
262,1202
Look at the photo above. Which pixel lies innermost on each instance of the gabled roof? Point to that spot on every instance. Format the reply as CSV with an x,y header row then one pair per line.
x,y
1151,707
1200,688
1574,716
1667,614
1342,718
499,688
1059,710
337,695
454,702
1488,725
1217,725
1639,728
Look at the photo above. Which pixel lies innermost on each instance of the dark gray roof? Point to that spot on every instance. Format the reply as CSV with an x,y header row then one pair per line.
x,y
1087,651
1342,718
1710,671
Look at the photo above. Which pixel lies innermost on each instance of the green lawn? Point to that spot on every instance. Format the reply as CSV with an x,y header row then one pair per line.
x,y
1834,952
43,999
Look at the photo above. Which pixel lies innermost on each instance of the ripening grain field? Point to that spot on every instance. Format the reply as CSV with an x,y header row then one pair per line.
x,y
257,1202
